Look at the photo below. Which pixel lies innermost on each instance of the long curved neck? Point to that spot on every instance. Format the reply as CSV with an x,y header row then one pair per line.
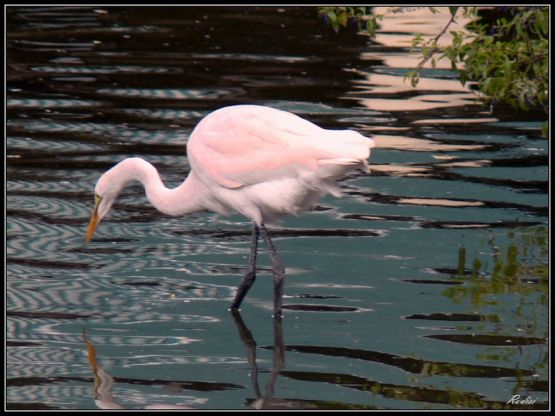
x,y
184,199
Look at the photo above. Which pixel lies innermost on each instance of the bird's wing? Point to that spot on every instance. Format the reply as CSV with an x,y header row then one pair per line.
x,y
259,144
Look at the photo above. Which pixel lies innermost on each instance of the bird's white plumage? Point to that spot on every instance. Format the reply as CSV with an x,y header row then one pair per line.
x,y
266,163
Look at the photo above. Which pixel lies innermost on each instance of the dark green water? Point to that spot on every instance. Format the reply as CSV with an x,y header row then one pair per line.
x,y
424,287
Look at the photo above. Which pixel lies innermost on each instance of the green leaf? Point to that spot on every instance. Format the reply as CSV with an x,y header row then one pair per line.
x,y
342,19
545,129
371,26
413,76
417,40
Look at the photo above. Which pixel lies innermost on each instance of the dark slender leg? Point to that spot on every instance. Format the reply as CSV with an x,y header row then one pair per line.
x,y
279,273
250,276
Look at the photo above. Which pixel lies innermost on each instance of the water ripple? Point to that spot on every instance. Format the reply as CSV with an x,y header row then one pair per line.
x,y
45,206
165,114
46,46
55,333
50,396
89,86
54,188
50,103
123,133
16,143
174,94
108,69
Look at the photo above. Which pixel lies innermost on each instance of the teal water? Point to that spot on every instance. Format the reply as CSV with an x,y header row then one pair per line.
x,y
423,287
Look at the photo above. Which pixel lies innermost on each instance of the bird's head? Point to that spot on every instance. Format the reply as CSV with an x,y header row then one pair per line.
x,y
106,191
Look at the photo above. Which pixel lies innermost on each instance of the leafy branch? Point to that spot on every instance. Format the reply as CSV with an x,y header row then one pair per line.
x,y
507,58
429,48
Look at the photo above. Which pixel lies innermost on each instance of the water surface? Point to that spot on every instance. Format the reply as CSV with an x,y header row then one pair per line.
x,y
424,287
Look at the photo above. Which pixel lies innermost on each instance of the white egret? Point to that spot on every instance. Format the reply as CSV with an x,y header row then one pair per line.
x,y
258,161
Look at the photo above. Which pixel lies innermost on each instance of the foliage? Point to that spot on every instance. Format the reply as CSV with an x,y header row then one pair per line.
x,y
507,57
344,16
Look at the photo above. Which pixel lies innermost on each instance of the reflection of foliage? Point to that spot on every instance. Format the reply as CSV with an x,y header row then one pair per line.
x,y
520,268
427,394
513,280
507,55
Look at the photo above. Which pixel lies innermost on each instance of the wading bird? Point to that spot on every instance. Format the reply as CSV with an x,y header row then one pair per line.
x,y
258,161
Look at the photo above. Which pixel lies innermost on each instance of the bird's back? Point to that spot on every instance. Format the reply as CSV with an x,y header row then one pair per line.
x,y
271,160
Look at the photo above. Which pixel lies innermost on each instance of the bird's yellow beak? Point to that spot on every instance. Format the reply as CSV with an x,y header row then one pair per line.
x,y
95,219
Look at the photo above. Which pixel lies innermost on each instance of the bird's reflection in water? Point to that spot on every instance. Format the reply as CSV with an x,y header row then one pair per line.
x,y
267,400
103,384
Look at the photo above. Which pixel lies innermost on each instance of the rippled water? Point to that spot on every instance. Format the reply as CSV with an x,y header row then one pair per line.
x,y
422,288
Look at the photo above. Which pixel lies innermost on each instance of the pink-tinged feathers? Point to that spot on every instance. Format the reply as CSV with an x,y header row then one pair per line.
x,y
245,145
276,162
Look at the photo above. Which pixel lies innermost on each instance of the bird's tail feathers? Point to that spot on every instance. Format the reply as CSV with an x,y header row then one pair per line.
x,y
335,168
